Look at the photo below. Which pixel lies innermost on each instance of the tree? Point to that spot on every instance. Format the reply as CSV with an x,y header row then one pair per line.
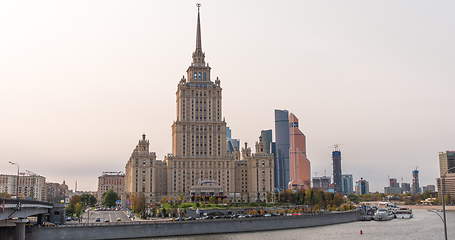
x,y
109,198
88,200
71,208
5,195
138,203
354,198
78,208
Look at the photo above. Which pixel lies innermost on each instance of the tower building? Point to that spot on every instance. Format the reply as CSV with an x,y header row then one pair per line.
x,y
299,165
282,149
348,184
205,161
415,187
337,175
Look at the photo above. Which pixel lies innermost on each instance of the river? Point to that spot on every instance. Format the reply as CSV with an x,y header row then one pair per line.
x,y
424,226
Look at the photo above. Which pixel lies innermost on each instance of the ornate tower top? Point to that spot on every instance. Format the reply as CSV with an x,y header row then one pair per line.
x,y
198,55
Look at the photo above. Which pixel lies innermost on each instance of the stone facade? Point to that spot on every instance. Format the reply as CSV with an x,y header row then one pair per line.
x,y
56,192
114,181
199,148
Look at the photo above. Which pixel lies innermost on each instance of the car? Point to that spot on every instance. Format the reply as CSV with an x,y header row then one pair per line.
x,y
98,220
267,215
68,219
119,220
106,220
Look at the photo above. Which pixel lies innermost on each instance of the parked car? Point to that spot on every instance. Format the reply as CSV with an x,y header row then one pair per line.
x,y
98,220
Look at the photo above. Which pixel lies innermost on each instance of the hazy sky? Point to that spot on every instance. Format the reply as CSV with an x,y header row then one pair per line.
x,y
82,80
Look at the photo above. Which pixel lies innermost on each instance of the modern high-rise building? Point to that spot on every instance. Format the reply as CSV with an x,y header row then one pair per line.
x,y
446,162
337,175
267,139
348,184
322,183
405,187
299,165
429,188
200,166
362,186
233,145
415,187
393,188
393,182
447,169
282,149
31,186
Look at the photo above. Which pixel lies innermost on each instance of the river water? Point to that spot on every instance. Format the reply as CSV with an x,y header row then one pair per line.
x,y
424,226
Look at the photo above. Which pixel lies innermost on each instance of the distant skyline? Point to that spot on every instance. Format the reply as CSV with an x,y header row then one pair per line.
x,y
81,81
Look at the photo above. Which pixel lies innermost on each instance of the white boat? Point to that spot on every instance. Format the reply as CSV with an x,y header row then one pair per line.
x,y
383,214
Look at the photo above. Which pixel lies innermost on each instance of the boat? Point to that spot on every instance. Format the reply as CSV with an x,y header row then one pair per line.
x,y
404,213
383,214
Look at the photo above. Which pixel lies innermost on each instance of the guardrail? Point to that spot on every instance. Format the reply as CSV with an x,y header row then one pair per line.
x,y
24,201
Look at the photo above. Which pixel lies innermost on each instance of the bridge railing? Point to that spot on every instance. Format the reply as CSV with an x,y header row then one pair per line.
x,y
23,201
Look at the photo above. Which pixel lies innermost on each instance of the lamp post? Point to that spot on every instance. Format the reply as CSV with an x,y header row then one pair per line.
x,y
443,176
17,179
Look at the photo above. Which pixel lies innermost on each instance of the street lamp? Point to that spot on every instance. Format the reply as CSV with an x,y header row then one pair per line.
x,y
443,176
17,179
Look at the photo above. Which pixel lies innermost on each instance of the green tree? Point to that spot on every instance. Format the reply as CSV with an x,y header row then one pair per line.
x,y
78,208
5,195
71,208
138,203
88,200
109,198
354,198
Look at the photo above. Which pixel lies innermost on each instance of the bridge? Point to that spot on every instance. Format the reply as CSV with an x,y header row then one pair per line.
x,y
14,213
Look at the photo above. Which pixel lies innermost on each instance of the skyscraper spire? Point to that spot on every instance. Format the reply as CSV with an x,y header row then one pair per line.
x,y
198,55
198,32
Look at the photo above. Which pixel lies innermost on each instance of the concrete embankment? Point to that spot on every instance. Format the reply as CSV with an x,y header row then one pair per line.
x,y
162,229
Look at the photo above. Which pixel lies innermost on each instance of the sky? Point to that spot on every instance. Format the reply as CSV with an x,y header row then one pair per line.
x,y
80,81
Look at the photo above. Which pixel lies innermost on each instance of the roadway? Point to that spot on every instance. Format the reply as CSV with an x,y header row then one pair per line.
x,y
104,216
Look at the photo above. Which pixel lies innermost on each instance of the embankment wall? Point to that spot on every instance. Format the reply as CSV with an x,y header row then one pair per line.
x,y
161,229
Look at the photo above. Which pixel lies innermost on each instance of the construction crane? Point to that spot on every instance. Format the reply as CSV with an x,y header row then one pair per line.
x,y
336,147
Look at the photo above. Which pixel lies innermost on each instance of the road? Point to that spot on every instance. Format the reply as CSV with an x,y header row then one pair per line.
x,y
111,216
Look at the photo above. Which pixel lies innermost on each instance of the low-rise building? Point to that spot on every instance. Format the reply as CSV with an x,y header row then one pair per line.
x,y
56,192
114,181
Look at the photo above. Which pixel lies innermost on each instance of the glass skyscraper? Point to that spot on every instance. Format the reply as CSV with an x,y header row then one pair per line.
x,y
282,149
